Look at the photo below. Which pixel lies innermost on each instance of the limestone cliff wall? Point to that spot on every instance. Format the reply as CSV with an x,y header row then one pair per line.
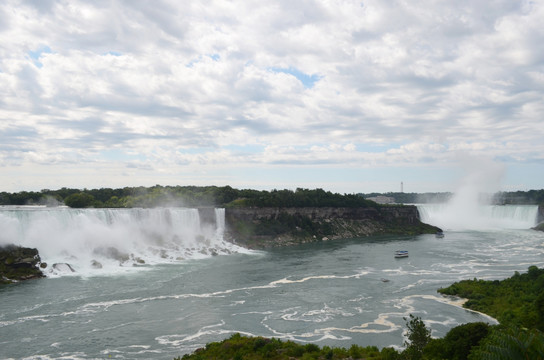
x,y
265,227
408,214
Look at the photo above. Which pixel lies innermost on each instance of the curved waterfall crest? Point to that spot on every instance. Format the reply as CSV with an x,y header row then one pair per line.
x,y
479,217
104,240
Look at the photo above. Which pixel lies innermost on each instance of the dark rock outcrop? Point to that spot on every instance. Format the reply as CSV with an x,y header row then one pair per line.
x,y
207,215
63,268
19,263
270,227
540,219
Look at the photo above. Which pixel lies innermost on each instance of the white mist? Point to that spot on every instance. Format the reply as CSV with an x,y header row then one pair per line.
x,y
95,241
470,207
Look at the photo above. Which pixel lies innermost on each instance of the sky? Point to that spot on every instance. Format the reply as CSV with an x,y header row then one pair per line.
x,y
347,96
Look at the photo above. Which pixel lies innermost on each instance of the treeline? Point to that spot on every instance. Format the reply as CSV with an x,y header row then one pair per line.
x,y
517,302
194,196
531,197
186,196
413,198
300,198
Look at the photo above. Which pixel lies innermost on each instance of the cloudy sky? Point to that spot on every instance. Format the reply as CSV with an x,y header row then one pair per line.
x,y
348,96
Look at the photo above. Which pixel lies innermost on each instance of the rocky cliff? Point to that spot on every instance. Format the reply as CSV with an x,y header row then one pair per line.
x,y
540,219
269,227
18,263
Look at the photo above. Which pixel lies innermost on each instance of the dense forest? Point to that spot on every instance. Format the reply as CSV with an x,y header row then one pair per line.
x,y
517,302
226,196
188,196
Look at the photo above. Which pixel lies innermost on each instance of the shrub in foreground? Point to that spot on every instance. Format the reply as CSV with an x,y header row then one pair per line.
x,y
257,348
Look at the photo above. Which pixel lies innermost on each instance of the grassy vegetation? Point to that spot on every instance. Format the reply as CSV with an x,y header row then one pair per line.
x,y
518,302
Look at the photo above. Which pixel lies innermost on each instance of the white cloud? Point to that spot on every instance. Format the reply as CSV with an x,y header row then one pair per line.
x,y
171,87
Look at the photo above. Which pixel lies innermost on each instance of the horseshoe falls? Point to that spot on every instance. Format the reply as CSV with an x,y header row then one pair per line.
x,y
451,216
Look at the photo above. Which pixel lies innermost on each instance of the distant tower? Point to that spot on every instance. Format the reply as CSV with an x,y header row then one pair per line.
x,y
401,187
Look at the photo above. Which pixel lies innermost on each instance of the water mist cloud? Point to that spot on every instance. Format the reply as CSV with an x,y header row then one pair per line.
x,y
481,176
471,208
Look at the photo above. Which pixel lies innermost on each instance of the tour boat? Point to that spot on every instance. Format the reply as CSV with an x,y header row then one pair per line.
x,y
401,253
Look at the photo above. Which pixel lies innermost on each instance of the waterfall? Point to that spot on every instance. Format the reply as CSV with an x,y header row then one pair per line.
x,y
104,240
220,221
479,217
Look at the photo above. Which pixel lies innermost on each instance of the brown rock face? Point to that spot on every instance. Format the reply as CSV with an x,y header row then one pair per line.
x,y
269,227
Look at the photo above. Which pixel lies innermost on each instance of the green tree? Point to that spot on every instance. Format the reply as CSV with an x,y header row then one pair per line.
x,y
418,337
457,343
539,305
79,200
511,344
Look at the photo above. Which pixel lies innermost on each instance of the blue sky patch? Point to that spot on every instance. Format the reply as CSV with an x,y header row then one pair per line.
x,y
214,57
307,80
35,55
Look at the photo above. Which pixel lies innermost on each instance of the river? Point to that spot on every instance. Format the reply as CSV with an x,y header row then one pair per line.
x,y
156,284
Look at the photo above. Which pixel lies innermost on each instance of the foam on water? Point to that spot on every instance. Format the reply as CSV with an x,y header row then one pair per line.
x,y
105,241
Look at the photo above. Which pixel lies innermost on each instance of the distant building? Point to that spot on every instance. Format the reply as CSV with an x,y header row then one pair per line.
x,y
380,199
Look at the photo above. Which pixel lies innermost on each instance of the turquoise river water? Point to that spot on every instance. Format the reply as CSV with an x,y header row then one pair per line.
x,y
145,287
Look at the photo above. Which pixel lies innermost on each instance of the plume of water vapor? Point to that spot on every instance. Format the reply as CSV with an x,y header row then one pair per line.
x,y
481,178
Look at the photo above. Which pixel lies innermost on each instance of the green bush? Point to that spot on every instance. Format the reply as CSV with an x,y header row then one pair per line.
x,y
79,200
510,343
457,343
